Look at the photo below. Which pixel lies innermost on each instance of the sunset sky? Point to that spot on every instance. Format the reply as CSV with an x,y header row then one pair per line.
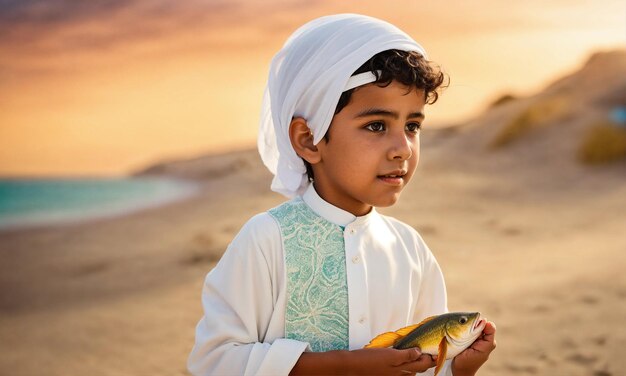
x,y
109,86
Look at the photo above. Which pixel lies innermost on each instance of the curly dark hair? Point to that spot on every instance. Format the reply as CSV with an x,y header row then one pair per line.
x,y
407,67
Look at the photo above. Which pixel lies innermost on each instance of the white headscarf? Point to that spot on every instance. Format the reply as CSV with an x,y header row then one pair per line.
x,y
306,79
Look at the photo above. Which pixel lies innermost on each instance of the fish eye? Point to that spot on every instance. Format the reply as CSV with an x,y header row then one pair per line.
x,y
463,320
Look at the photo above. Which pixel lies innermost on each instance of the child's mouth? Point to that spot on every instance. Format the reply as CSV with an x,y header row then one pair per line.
x,y
392,179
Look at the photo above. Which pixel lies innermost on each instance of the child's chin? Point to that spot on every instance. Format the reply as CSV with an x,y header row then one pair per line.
x,y
384,202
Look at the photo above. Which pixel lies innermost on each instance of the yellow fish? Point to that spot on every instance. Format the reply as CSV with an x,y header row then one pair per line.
x,y
444,335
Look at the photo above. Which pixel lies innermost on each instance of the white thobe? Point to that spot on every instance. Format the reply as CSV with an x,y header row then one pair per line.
x,y
393,281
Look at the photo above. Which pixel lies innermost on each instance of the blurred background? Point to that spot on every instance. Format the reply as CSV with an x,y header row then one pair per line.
x,y
104,87
128,163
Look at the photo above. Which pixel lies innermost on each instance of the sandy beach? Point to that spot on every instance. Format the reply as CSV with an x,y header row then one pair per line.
x,y
525,233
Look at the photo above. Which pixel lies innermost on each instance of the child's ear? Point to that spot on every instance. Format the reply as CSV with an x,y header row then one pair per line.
x,y
302,140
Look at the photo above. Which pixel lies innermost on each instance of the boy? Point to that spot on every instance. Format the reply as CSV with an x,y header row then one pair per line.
x,y
303,287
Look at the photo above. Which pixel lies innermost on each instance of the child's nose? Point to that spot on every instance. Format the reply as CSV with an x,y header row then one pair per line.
x,y
401,147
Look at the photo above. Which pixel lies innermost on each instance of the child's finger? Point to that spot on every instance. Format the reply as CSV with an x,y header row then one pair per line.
x,y
489,333
490,328
424,362
410,355
487,342
481,346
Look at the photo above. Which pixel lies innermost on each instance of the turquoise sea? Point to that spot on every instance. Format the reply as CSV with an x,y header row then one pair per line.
x,y
30,202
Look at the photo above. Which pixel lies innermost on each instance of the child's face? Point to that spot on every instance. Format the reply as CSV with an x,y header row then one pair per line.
x,y
363,150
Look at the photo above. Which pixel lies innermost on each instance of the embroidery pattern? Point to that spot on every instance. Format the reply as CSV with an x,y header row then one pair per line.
x,y
317,288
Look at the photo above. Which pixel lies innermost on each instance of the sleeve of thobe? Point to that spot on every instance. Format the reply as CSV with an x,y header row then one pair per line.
x,y
433,298
238,304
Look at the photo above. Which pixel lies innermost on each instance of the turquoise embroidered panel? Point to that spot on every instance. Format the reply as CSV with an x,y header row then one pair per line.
x,y
317,287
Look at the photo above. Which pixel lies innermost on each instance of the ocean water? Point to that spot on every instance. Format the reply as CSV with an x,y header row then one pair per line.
x,y
32,202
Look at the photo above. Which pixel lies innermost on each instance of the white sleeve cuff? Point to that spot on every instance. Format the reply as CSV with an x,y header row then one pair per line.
x,y
282,357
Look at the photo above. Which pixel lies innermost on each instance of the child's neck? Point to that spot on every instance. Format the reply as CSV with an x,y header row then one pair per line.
x,y
358,209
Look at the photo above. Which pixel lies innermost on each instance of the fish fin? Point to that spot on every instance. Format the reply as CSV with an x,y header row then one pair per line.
x,y
441,356
422,322
383,340
389,338
407,329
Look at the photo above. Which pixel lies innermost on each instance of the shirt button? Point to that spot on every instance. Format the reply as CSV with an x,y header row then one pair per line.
x,y
362,320
352,231
356,259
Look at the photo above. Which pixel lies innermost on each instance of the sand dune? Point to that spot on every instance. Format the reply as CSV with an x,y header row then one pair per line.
x,y
524,232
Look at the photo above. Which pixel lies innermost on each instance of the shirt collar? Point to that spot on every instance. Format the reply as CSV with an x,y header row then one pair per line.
x,y
329,211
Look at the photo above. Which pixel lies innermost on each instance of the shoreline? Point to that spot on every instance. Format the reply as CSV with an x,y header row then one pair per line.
x,y
187,189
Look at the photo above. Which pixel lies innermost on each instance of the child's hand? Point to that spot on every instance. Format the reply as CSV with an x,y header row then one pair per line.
x,y
390,361
470,360
385,361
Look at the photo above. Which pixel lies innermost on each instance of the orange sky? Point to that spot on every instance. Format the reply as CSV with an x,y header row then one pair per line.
x,y
106,87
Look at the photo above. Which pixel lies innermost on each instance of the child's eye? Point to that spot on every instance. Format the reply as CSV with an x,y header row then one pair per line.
x,y
376,127
413,127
